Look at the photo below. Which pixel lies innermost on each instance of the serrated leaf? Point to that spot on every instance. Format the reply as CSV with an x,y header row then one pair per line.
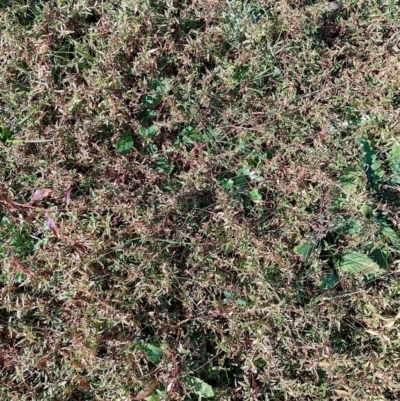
x,y
254,195
328,281
148,132
388,232
350,180
357,262
347,226
394,162
380,256
371,165
125,143
153,353
304,249
199,387
385,230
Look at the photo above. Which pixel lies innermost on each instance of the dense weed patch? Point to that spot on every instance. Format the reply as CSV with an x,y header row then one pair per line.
x,y
218,205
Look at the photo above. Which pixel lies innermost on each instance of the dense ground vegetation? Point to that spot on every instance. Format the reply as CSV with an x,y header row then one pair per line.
x,y
232,229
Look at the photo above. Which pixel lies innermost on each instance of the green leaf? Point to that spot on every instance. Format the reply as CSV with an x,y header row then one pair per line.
x,y
304,249
329,281
153,99
380,256
240,181
146,115
366,211
245,170
148,132
388,232
19,277
153,353
5,134
227,184
190,134
394,162
350,180
385,230
346,226
125,143
153,397
371,165
254,195
357,262
199,387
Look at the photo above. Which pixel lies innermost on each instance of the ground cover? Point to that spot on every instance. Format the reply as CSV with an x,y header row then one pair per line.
x,y
199,200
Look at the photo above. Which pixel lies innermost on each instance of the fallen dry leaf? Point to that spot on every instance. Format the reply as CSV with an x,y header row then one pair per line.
x,y
40,194
51,225
147,390
84,384
390,324
67,196
334,6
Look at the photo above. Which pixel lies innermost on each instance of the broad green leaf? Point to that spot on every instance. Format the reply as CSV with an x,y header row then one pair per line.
x,y
380,256
388,232
125,143
385,230
356,262
146,115
190,134
394,161
154,353
366,211
329,281
245,170
148,132
199,387
371,165
254,195
350,180
153,99
240,181
346,226
227,184
304,249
